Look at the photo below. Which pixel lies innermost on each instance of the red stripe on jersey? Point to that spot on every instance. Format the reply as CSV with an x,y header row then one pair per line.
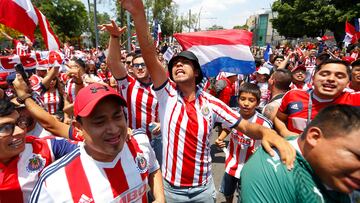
x,y
138,105
129,102
10,190
223,107
176,142
190,145
168,138
251,148
235,166
116,177
205,123
149,103
134,149
75,172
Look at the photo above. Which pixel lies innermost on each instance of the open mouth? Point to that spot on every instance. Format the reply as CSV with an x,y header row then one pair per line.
x,y
329,86
179,72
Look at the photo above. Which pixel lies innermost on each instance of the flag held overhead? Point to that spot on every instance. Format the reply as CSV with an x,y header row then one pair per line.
x,y
221,50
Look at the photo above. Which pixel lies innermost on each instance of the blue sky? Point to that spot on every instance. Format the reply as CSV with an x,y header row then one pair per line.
x,y
226,13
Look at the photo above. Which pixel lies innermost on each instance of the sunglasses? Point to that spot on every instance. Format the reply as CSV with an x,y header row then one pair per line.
x,y
137,65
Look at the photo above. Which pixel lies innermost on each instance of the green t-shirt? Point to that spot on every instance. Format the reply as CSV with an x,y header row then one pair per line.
x,y
266,179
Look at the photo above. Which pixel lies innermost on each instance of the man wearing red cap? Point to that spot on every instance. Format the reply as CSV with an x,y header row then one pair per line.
x,y
106,167
187,115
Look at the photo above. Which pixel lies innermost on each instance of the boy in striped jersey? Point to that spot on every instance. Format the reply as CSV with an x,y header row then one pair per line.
x,y
240,147
106,167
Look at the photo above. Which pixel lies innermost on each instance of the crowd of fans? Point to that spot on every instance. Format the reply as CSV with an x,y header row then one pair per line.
x,y
129,120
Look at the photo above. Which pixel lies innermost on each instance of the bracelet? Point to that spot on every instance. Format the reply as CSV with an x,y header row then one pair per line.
x,y
21,100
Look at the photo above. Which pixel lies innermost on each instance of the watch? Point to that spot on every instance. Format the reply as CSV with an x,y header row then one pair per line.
x,y
21,100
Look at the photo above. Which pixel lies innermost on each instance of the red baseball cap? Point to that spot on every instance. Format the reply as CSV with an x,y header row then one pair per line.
x,y
89,96
299,67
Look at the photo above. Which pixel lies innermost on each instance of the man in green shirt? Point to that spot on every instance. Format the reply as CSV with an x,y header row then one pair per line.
x,y
327,166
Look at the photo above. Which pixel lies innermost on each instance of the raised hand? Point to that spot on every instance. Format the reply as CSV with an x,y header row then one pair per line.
x,y
133,6
112,28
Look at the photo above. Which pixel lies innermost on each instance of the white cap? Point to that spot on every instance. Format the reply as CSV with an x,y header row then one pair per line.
x,y
262,70
228,74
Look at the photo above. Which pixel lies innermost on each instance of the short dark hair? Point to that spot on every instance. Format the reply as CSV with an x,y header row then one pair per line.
x,y
336,120
6,107
355,63
80,62
282,78
130,54
323,57
336,61
135,57
250,88
279,56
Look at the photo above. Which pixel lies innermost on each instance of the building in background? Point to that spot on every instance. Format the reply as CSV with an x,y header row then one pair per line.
x,y
261,26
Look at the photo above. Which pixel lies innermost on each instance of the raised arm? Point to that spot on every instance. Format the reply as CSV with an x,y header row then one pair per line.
x,y
113,59
51,74
46,120
7,36
148,50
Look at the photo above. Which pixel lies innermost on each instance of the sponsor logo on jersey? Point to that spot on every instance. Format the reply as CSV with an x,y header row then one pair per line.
x,y
295,107
35,164
141,163
132,195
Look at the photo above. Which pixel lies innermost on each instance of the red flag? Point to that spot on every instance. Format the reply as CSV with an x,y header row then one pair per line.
x,y
19,15
24,17
351,35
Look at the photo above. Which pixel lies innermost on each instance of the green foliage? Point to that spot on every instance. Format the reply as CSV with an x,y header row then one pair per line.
x,y
298,18
68,18
241,27
215,27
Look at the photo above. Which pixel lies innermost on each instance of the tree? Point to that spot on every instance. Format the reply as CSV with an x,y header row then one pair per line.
x,y
215,27
67,18
241,27
298,18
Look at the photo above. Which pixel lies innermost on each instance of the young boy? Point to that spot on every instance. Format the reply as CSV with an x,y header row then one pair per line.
x,y
240,147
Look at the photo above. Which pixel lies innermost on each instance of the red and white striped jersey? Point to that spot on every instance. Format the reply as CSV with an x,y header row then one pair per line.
x,y
52,101
70,90
21,49
142,104
77,177
241,147
295,104
18,178
186,128
304,86
35,83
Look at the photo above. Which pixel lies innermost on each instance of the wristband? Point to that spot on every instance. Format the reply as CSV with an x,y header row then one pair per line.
x,y
21,100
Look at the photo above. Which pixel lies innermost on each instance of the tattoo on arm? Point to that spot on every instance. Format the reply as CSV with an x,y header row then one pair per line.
x,y
268,112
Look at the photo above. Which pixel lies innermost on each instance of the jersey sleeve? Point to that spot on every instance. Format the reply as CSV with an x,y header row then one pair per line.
x,y
266,179
123,85
144,144
41,194
223,113
61,147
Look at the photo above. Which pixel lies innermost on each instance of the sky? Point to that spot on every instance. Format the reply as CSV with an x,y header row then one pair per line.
x,y
226,13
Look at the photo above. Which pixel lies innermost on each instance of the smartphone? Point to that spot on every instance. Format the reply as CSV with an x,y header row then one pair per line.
x,y
20,69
